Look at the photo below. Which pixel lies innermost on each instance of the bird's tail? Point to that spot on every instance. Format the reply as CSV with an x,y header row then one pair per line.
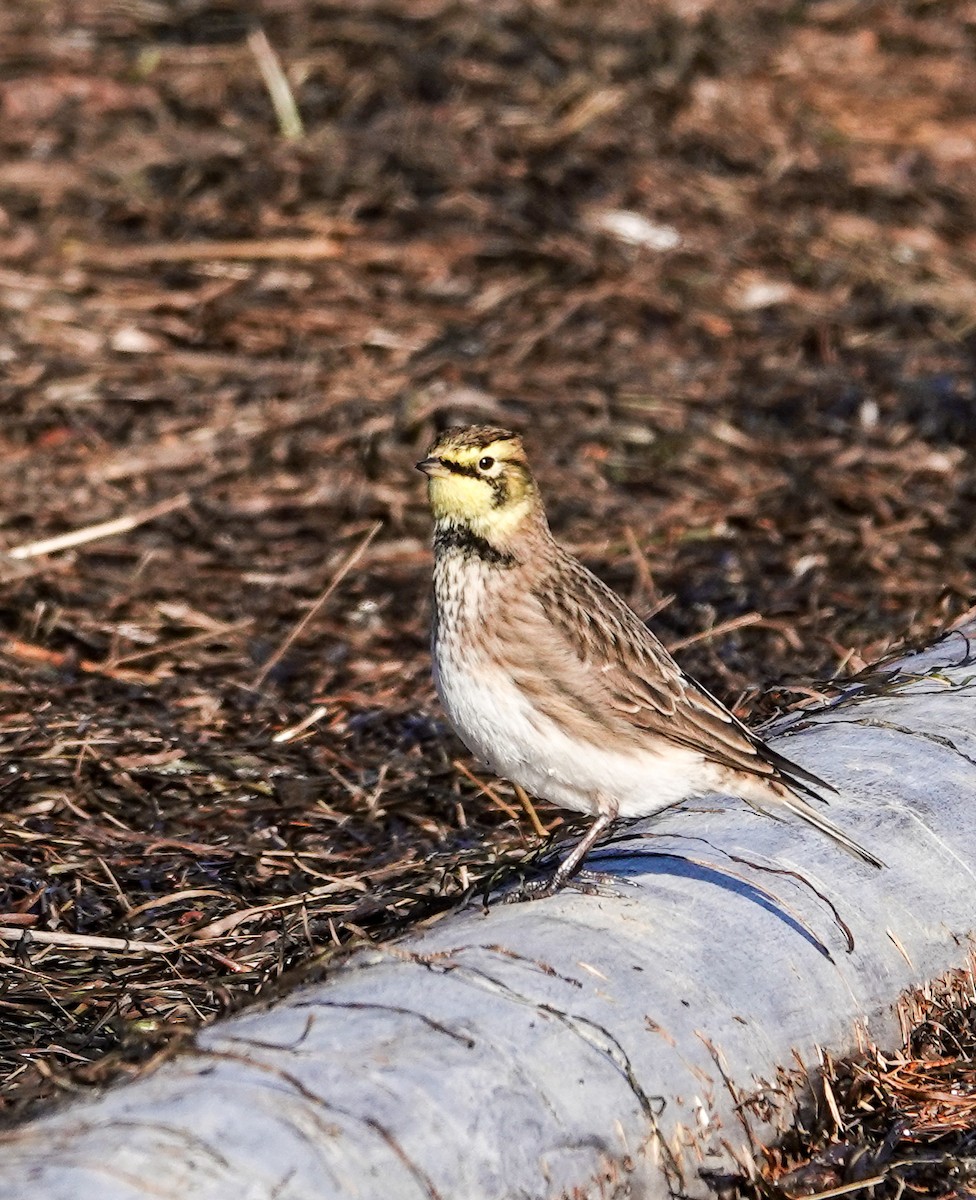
x,y
806,812
781,794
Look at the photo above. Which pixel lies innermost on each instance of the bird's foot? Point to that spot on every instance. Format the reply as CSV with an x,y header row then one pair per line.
x,y
590,883
601,883
568,873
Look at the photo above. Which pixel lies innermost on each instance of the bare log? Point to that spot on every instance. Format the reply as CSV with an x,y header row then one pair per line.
x,y
581,1045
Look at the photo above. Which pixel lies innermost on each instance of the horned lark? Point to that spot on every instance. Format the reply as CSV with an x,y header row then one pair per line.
x,y
556,684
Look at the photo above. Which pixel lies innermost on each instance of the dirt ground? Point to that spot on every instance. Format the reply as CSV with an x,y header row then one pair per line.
x,y
717,261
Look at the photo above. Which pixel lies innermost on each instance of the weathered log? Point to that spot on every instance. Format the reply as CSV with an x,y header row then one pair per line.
x,y
580,1045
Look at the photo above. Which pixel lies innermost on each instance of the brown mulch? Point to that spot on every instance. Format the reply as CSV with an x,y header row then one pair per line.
x,y
753,414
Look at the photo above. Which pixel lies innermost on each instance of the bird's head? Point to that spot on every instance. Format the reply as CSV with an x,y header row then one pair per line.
x,y
478,478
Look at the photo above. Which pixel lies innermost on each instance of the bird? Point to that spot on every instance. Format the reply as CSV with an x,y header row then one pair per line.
x,y
556,684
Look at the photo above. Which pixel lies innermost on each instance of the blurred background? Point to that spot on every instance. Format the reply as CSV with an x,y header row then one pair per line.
x,y
716,262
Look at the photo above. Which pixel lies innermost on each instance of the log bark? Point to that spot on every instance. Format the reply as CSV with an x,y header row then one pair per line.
x,y
581,1045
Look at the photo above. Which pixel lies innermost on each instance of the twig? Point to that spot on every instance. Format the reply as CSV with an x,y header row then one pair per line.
x,y
123,257
313,612
91,533
67,662
223,925
489,791
279,89
740,622
642,568
80,941
316,715
173,898
857,1186
530,810
194,639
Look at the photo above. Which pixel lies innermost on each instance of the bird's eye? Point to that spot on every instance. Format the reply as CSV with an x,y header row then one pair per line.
x,y
486,463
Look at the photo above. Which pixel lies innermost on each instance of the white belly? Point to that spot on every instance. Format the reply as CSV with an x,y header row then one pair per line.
x,y
498,724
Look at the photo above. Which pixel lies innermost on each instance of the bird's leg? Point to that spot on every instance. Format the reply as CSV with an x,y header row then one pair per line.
x,y
574,859
538,889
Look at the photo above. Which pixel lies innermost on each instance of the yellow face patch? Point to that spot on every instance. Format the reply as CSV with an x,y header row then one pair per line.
x,y
484,485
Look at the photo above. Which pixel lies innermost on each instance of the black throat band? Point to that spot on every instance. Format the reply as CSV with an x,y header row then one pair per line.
x,y
460,539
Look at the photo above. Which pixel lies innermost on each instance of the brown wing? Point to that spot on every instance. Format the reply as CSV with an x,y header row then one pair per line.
x,y
608,662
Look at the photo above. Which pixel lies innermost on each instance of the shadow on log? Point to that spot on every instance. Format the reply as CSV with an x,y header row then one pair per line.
x,y
582,1045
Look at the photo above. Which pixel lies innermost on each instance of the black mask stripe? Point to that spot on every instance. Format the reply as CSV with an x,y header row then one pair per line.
x,y
457,468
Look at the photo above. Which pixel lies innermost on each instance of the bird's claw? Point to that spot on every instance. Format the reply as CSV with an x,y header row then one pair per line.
x,y
589,883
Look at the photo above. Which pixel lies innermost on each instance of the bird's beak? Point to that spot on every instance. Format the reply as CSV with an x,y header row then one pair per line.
x,y
433,468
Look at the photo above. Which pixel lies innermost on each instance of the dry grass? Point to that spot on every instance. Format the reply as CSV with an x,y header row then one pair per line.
x,y
901,1124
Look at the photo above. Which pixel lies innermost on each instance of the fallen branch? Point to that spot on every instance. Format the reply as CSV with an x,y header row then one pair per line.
x,y
593,1046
